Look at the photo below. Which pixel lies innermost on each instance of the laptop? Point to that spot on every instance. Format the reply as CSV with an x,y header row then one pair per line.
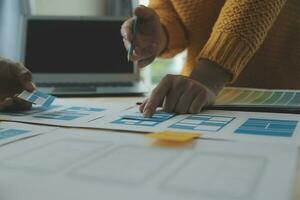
x,y
79,56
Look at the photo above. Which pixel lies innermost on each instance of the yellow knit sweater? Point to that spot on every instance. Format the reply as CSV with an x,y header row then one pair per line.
x,y
258,41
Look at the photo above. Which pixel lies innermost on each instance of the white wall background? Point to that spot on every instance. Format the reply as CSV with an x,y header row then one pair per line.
x,y
68,7
144,2
10,28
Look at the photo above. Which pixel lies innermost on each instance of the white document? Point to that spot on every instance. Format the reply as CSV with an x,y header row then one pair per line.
x,y
84,164
228,125
231,125
64,113
11,132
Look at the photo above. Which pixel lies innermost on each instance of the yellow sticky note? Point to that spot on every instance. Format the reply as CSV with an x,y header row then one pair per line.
x,y
173,136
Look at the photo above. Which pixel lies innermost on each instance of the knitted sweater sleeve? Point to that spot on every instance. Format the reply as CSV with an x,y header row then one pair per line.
x,y
239,31
174,28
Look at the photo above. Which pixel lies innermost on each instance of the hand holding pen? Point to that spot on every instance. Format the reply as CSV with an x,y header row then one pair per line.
x,y
135,30
143,36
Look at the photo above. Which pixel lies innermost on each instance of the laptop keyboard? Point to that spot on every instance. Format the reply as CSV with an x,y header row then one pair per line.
x,y
76,84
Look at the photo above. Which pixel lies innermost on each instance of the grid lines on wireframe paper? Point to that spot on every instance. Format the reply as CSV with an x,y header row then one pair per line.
x,y
8,133
34,110
59,115
84,109
268,127
138,119
69,114
38,98
203,123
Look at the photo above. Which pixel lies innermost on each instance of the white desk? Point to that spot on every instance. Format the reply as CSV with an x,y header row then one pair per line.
x,y
133,100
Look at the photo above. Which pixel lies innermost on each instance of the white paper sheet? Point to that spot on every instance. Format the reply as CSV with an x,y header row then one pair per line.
x,y
65,113
229,125
80,164
232,125
11,132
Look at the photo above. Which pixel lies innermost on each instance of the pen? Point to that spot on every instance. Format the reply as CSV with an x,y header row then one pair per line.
x,y
136,23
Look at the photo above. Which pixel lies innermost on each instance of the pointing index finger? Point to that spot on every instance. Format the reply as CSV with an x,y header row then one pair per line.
x,y
157,96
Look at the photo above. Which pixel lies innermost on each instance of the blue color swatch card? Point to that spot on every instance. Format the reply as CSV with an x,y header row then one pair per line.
x,y
38,98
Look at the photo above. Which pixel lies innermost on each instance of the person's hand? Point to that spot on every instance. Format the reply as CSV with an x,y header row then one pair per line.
x,y
14,78
178,94
150,39
182,94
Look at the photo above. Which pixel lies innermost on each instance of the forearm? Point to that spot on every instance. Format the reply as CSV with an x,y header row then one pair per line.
x,y
211,75
239,31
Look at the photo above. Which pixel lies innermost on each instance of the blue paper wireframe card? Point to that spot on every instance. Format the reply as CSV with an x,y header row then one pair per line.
x,y
158,116
38,98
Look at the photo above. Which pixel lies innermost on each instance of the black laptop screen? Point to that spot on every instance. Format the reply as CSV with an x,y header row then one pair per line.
x,y
75,46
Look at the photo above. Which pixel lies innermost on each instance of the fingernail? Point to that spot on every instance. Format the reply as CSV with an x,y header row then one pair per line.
x,y
125,40
29,86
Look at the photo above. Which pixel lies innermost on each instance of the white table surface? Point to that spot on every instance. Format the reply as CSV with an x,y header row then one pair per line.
x,y
133,100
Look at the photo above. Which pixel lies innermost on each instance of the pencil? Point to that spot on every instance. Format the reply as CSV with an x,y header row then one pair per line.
x,y
136,23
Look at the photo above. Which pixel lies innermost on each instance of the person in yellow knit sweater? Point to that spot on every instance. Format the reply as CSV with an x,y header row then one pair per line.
x,y
244,43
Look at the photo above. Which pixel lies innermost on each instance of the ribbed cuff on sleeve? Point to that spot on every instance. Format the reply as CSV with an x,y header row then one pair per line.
x,y
227,50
